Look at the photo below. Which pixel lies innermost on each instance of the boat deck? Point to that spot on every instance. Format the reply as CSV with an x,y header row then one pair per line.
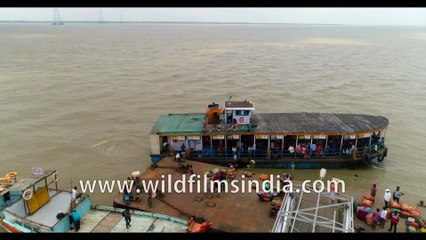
x,y
59,201
112,221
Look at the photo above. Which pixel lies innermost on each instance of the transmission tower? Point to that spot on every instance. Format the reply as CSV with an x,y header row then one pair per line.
x,y
101,17
57,17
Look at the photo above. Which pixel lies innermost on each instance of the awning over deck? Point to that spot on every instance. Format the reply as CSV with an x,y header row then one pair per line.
x,y
191,123
286,123
312,123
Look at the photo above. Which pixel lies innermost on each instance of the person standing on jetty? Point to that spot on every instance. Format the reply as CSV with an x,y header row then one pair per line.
x,y
397,194
373,191
149,199
383,216
75,219
127,217
376,218
394,220
387,197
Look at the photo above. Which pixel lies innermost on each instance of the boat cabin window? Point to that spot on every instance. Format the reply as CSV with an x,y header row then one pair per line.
x,y
303,144
247,142
363,142
348,144
289,141
333,145
206,142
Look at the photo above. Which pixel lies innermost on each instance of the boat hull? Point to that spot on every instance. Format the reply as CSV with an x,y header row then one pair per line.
x,y
9,228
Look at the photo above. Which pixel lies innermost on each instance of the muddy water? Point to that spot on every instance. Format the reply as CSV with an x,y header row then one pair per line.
x,y
82,98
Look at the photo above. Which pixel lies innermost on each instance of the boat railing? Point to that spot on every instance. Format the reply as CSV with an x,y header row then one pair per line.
x,y
28,224
275,154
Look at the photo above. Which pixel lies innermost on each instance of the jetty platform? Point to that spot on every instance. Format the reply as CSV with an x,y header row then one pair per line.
x,y
229,212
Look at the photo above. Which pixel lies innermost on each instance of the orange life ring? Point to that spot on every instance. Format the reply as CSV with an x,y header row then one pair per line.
x,y
235,127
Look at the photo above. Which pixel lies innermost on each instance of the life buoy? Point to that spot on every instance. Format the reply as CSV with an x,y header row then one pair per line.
x,y
385,153
219,128
27,194
55,177
235,127
209,128
12,174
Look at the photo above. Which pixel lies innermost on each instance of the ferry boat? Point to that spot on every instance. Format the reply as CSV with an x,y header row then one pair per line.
x,y
30,205
236,134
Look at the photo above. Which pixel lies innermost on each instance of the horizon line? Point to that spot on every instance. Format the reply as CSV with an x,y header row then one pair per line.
x,y
192,22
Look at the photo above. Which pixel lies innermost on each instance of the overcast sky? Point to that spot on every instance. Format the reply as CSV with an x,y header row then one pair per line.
x,y
353,16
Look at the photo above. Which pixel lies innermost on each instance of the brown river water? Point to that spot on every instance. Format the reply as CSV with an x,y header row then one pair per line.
x,y
82,98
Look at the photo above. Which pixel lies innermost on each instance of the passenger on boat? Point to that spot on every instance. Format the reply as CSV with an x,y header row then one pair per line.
x,y
75,194
165,146
304,152
299,148
313,149
291,149
319,150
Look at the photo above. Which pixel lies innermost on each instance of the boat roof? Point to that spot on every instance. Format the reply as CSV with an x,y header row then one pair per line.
x,y
320,123
238,104
191,123
286,123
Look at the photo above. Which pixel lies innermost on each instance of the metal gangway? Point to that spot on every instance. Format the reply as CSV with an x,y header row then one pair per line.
x,y
315,212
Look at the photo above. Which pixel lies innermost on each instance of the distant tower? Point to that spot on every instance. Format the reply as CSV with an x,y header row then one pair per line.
x,y
57,17
101,17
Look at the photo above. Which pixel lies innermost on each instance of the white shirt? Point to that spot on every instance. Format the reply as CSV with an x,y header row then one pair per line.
x,y
291,149
383,214
74,194
387,196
